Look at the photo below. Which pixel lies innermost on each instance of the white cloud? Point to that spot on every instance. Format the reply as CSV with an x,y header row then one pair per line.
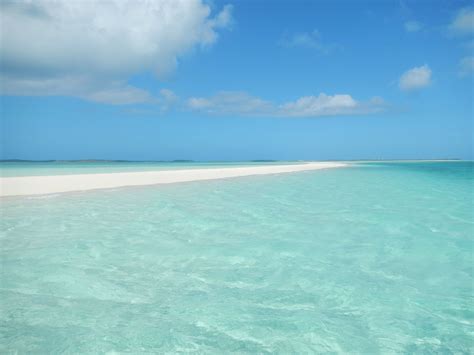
x,y
466,66
311,40
243,104
122,94
415,78
168,96
167,99
413,26
90,49
320,105
111,92
463,23
231,102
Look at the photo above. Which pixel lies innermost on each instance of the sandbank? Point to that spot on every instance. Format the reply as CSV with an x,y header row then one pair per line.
x,y
39,185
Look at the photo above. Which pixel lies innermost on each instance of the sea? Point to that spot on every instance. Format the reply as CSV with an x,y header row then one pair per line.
x,y
372,258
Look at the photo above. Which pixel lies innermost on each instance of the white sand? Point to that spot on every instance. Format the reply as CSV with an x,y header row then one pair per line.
x,y
39,185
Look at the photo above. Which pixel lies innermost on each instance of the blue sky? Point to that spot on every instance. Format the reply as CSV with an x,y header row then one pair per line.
x,y
237,80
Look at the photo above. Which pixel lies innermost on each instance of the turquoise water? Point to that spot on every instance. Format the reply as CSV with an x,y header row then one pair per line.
x,y
376,258
23,168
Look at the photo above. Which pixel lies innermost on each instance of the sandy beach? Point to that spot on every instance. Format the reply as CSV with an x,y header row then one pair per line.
x,y
39,185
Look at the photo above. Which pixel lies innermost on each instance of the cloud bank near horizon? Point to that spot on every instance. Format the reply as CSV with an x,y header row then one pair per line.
x,y
228,103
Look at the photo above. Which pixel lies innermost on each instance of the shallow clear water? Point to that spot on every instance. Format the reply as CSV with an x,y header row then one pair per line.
x,y
376,258
26,168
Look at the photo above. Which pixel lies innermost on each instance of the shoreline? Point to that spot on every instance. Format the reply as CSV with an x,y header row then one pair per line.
x,y
42,185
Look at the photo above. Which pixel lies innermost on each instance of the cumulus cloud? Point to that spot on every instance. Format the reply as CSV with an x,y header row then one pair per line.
x,y
243,104
413,26
327,105
463,23
415,78
90,49
466,66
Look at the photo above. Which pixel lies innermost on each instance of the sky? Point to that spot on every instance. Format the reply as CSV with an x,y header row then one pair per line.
x,y
236,80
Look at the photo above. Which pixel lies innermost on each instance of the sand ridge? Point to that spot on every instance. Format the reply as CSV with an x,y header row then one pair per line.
x,y
39,185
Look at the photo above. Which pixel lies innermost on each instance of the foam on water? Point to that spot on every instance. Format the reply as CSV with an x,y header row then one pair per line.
x,y
369,259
